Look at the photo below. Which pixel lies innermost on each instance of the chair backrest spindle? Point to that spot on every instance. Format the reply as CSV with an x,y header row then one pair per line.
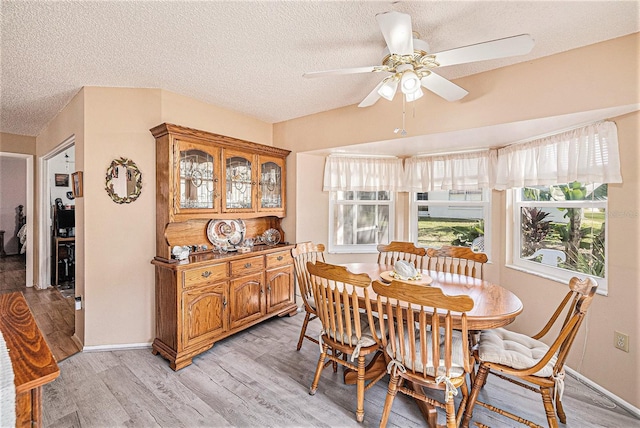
x,y
390,253
303,253
457,260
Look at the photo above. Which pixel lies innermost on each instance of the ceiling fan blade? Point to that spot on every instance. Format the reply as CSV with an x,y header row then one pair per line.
x,y
443,87
344,71
397,32
501,48
372,97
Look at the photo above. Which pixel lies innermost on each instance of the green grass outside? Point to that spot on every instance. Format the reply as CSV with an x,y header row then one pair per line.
x,y
436,232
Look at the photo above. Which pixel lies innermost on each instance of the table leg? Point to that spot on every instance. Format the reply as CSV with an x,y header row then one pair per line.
x,y
372,371
429,412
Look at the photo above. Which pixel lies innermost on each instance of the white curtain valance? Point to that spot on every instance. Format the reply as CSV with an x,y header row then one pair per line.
x,y
588,154
364,174
458,171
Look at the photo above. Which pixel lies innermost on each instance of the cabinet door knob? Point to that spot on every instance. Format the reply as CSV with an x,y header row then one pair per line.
x,y
247,265
206,274
280,258
224,303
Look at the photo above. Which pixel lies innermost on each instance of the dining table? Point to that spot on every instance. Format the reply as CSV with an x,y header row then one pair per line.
x,y
493,306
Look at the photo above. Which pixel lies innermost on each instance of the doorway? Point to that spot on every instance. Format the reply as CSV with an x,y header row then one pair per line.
x,y
16,187
56,273
57,222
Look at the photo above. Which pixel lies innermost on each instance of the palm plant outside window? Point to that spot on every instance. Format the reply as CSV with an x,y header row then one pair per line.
x,y
562,229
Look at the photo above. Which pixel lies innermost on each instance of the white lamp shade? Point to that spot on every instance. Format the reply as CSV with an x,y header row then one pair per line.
x,y
414,95
409,82
388,89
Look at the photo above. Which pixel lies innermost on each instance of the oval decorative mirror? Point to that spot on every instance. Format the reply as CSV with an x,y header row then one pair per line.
x,y
124,181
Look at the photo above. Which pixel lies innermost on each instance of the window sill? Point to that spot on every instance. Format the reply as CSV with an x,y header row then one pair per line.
x,y
601,291
352,251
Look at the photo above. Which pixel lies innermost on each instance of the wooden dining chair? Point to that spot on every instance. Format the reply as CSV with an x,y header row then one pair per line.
x,y
302,253
437,361
346,330
458,260
390,253
530,363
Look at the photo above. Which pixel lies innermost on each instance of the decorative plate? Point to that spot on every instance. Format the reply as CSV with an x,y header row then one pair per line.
x,y
226,232
391,275
271,236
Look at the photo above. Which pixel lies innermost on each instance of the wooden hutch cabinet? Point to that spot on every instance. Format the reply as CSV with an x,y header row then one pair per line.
x,y
201,177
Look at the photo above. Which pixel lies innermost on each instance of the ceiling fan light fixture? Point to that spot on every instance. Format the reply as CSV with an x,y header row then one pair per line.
x,y
414,95
409,82
389,88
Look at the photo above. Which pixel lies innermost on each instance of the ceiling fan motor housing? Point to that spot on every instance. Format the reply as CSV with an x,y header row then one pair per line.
x,y
418,63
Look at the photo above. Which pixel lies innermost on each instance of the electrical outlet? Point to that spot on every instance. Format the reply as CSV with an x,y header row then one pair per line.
x,y
621,341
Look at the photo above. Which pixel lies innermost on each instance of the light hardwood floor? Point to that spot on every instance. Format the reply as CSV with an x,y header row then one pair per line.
x,y
53,312
257,379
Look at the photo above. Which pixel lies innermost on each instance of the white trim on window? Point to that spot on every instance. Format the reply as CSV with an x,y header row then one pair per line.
x,y
334,248
514,261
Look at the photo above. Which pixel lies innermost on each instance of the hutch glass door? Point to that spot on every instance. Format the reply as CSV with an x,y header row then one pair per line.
x,y
270,185
239,182
198,179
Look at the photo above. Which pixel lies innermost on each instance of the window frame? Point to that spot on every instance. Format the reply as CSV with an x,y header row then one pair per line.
x,y
359,248
557,274
485,203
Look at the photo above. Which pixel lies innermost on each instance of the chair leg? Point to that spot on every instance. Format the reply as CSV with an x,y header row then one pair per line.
x,y
303,331
548,407
360,389
463,402
392,390
560,411
316,378
481,377
451,412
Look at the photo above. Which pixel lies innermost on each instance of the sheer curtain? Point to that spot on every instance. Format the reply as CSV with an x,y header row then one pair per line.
x,y
458,171
363,173
588,154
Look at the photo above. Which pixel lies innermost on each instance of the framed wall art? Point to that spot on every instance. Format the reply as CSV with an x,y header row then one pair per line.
x,y
76,179
62,180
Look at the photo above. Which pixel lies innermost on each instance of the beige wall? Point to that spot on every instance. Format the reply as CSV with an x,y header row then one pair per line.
x,y
185,111
12,143
117,242
561,84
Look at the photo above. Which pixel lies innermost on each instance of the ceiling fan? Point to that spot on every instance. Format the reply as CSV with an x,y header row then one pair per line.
x,y
411,65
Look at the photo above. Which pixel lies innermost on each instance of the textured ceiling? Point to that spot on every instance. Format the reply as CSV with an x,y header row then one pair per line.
x,y
250,56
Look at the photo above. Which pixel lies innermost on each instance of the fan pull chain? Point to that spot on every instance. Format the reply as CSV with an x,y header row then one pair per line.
x,y
402,130
404,105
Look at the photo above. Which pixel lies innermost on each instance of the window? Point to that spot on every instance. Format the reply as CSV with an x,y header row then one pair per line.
x,y
560,230
359,221
451,217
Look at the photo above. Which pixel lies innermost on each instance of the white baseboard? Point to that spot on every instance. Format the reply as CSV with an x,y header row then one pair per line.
x,y
121,347
619,401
